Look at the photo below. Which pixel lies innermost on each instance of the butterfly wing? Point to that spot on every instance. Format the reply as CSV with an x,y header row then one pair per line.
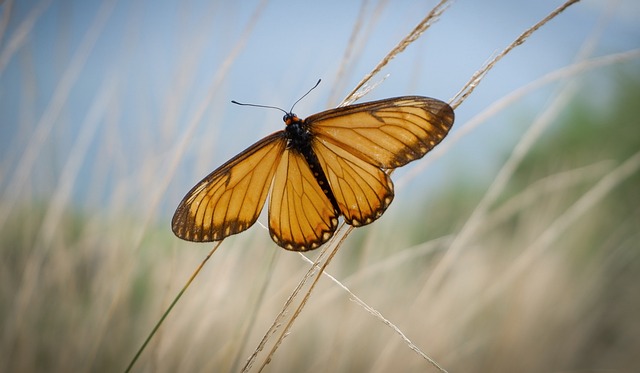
x,y
301,216
356,143
229,200
386,133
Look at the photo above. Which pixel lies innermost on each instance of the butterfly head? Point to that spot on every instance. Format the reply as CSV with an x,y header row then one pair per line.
x,y
290,118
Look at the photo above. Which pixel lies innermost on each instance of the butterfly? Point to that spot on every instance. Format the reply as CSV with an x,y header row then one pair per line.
x,y
331,164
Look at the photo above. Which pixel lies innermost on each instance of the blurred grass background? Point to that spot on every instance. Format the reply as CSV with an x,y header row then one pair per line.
x,y
93,162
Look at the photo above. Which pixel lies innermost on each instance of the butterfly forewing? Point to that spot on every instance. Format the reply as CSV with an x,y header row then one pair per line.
x,y
301,217
387,133
229,200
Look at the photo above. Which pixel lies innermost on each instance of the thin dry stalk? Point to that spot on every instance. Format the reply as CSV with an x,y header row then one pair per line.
x,y
526,143
379,316
303,303
555,229
180,150
68,176
22,33
479,75
53,110
395,260
183,144
4,21
23,170
279,320
215,247
254,315
354,51
426,22
496,188
349,51
55,210
505,102
547,186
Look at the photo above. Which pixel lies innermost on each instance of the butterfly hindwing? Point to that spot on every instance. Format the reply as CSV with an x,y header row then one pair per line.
x,y
387,133
301,216
363,191
229,200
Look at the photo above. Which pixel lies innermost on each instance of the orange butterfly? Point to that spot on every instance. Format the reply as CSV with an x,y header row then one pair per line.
x,y
330,164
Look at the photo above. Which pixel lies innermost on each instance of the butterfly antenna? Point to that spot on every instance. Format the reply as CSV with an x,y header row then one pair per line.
x,y
275,107
305,95
256,105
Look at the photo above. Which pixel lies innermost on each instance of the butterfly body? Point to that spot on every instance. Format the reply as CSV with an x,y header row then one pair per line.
x,y
329,165
299,139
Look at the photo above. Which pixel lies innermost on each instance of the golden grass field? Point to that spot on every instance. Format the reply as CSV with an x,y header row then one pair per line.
x,y
529,265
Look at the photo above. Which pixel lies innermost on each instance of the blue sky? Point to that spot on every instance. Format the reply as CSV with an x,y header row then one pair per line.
x,y
163,58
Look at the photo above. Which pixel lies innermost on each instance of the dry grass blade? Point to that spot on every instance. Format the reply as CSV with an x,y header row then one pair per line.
x,y
587,201
254,315
320,263
183,143
507,101
349,51
53,110
181,149
479,75
6,15
29,286
285,308
522,148
303,302
396,260
426,22
173,303
538,190
22,33
379,316
497,187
